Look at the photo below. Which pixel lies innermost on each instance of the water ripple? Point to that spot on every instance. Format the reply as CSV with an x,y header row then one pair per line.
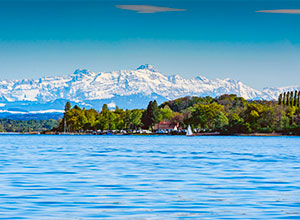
x,y
138,177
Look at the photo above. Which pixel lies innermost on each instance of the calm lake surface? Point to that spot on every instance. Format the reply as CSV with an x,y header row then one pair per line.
x,y
156,177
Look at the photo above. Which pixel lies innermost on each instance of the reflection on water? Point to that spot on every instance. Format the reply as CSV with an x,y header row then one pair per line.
x,y
129,177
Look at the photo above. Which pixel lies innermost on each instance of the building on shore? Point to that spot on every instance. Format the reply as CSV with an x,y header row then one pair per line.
x,y
166,125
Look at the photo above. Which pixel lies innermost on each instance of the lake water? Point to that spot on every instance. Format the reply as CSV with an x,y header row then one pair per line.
x,y
143,177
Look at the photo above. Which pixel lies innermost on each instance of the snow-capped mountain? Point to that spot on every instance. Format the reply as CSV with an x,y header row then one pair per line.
x,y
125,88
275,92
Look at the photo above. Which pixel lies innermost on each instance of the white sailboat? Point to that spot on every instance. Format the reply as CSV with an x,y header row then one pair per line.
x,y
189,131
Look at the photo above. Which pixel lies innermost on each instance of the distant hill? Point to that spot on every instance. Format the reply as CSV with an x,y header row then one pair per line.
x,y
29,116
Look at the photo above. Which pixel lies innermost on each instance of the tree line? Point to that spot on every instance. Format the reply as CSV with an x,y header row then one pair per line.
x,y
290,98
227,114
9,125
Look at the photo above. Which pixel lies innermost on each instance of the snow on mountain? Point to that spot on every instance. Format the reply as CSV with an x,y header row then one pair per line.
x,y
147,67
275,92
123,87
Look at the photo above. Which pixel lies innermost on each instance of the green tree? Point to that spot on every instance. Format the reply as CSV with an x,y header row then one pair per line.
x,y
292,98
298,99
220,121
236,125
166,113
295,98
67,107
280,99
252,114
91,115
267,120
284,124
105,120
75,119
119,119
133,118
152,115
204,115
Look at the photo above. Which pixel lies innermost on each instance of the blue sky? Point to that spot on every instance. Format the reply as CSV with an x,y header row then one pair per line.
x,y
224,39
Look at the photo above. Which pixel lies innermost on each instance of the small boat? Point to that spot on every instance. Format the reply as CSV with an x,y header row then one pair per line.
x,y
189,131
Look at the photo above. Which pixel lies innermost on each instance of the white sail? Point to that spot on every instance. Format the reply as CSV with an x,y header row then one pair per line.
x,y
189,131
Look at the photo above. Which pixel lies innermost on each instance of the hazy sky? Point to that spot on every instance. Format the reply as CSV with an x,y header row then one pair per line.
x,y
257,42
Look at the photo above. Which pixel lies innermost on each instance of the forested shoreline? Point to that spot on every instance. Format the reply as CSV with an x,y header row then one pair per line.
x,y
21,126
226,115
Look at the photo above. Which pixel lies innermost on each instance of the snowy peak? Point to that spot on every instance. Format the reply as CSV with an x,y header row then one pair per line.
x,y
202,78
147,67
175,79
82,72
144,83
275,92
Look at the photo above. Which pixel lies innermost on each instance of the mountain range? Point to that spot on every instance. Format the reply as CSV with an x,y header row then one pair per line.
x,y
124,88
